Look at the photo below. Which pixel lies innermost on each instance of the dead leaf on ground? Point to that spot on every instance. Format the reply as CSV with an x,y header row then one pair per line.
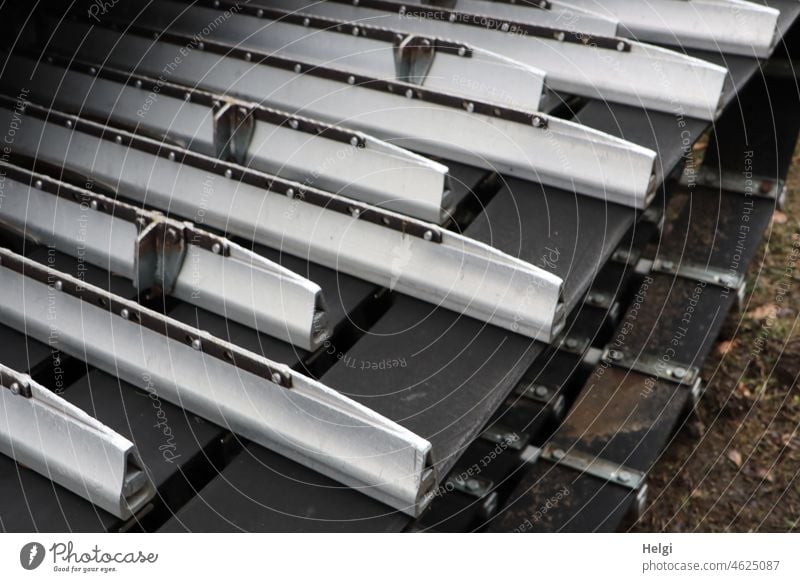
x,y
779,217
765,474
724,347
763,312
735,457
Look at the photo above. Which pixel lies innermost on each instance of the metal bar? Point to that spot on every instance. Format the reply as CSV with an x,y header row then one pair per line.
x,y
174,257
257,399
427,61
599,67
288,145
406,255
512,141
553,14
728,26
594,466
44,432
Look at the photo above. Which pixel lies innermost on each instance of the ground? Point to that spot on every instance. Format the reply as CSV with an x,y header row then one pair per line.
x,y
735,463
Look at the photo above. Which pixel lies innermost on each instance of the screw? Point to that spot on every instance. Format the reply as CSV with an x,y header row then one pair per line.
x,y
197,344
124,314
428,235
623,477
541,391
277,378
615,355
58,285
354,141
228,173
678,373
16,389
216,248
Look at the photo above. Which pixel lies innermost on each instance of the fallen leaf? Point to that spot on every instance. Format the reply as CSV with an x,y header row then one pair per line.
x,y
726,346
743,391
763,312
779,217
735,457
765,474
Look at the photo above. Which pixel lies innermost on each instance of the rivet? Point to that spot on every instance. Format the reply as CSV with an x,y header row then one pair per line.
x,y
197,344
541,391
428,235
124,314
277,378
58,285
678,373
229,173
559,454
16,389
216,248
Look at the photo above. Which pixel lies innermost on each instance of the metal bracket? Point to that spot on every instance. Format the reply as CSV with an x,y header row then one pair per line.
x,y
709,275
413,58
160,252
543,394
501,435
44,432
476,487
572,344
738,183
234,126
594,466
659,368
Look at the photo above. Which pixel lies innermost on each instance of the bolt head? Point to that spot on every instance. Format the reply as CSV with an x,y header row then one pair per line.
x,y
197,344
